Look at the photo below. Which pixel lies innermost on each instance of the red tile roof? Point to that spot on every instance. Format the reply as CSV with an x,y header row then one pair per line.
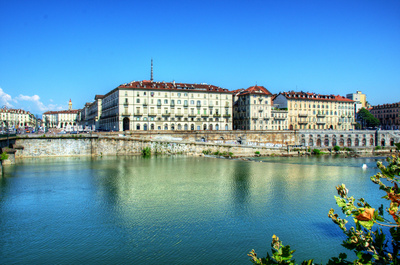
x,y
151,85
73,111
255,90
18,111
313,96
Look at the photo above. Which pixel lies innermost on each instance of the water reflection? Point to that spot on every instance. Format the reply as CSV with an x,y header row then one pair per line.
x,y
118,210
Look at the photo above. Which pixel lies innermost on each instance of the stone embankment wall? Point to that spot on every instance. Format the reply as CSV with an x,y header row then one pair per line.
x,y
240,143
126,145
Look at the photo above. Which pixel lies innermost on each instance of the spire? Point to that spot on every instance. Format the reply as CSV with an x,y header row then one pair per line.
x,y
151,77
70,104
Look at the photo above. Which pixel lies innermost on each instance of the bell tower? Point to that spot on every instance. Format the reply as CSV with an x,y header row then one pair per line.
x,y
70,105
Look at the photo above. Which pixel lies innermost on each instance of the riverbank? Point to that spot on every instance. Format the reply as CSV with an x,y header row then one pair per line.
x,y
117,145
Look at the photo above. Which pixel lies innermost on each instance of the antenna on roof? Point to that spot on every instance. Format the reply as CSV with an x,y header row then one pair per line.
x,y
151,77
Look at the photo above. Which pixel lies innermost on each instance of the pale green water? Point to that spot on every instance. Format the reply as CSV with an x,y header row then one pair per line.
x,y
172,210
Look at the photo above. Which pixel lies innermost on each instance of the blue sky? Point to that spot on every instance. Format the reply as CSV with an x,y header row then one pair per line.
x,y
53,51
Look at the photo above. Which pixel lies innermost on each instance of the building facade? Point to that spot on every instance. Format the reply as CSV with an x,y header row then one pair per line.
x,y
316,112
388,115
360,100
149,105
16,118
252,110
62,119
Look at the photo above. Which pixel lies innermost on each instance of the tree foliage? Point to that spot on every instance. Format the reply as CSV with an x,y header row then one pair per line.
x,y
367,119
367,239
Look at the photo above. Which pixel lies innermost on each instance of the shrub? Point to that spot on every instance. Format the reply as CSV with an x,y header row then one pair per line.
x,y
216,153
230,154
397,146
257,152
348,149
370,246
207,152
378,147
146,151
3,156
336,148
316,151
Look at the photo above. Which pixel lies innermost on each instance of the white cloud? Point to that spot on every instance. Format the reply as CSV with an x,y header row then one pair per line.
x,y
29,103
5,99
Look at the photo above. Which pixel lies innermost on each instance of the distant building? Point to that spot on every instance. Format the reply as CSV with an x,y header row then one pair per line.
x,y
148,105
89,116
62,119
16,118
315,111
388,115
360,100
252,110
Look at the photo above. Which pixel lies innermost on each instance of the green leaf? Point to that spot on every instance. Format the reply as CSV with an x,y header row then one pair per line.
x,y
367,224
340,202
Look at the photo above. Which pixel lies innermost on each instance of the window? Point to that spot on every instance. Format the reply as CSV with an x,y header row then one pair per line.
x,y
138,100
166,101
179,102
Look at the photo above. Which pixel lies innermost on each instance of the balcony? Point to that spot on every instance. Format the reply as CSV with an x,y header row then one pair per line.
x,y
192,115
211,106
260,109
166,114
303,114
172,105
321,122
152,114
204,115
217,115
179,115
198,105
145,104
254,118
303,122
125,113
227,115
138,114
280,118
320,115
266,118
158,104
185,105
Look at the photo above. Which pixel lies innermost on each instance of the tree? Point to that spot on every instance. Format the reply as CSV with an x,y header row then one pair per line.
x,y
367,119
370,246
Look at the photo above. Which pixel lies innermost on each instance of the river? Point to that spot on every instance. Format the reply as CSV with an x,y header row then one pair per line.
x,y
173,209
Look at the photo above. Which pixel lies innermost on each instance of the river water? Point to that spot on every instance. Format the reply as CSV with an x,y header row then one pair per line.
x,y
173,210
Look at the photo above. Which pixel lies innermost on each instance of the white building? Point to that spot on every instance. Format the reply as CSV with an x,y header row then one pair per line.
x,y
253,110
149,105
16,118
62,119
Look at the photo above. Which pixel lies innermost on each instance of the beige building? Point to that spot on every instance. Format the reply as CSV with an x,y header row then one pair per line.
x,y
149,105
388,115
16,118
62,119
360,100
89,115
315,111
252,110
